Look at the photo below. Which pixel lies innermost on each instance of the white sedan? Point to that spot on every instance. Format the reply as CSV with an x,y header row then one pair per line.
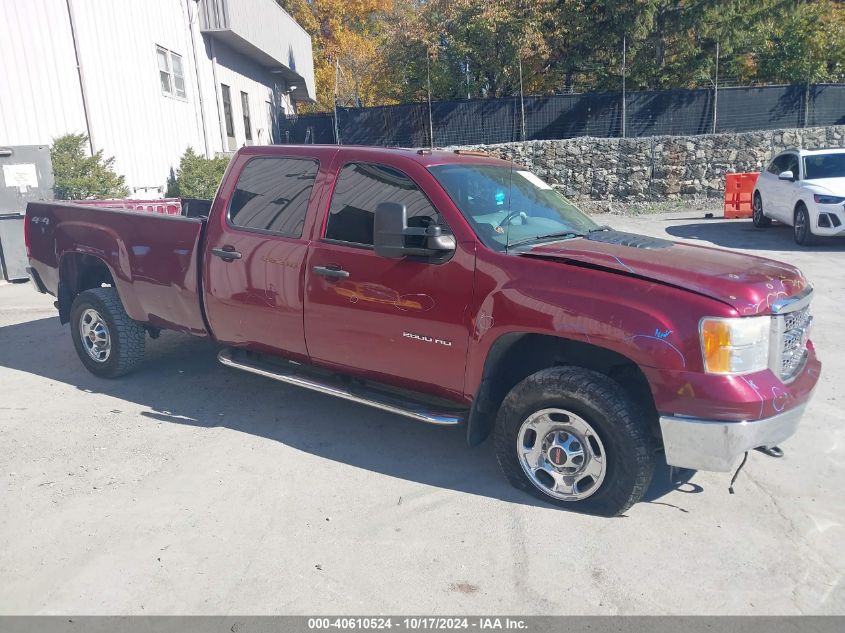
x,y
804,189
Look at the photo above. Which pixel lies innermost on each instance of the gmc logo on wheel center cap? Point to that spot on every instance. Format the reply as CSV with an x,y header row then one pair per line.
x,y
557,456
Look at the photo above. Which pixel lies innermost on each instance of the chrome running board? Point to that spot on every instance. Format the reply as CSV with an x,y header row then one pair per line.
x,y
415,411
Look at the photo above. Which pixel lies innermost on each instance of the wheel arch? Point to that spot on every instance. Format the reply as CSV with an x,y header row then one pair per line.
x,y
516,355
799,204
79,272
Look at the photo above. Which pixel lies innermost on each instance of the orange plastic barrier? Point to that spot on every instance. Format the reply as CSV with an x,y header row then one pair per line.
x,y
738,191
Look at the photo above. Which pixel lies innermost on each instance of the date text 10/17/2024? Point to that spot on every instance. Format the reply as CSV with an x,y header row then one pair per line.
x,y
418,623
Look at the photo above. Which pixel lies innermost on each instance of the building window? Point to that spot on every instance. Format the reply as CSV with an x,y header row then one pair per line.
x,y
272,195
178,75
164,74
170,73
227,115
271,125
247,122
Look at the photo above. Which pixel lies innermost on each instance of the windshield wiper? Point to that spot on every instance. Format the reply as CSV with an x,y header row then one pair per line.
x,y
536,238
603,227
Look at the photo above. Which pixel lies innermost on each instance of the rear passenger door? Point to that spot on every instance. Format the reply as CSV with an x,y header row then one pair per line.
x,y
399,321
254,256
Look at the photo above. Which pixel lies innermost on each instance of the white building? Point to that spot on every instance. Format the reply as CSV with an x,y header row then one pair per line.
x,y
145,79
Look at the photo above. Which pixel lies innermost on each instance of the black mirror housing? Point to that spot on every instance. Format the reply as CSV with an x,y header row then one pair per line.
x,y
390,230
390,223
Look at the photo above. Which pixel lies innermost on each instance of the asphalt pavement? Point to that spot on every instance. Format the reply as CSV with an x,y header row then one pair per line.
x,y
188,487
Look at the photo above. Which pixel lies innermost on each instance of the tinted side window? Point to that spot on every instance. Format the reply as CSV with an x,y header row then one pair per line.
x,y
791,164
777,165
360,188
272,195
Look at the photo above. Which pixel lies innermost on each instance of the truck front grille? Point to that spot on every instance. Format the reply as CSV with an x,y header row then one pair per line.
x,y
793,329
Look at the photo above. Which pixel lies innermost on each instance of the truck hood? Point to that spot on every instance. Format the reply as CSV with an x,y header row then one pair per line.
x,y
748,284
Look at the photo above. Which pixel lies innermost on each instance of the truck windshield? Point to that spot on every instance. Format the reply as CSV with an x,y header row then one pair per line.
x,y
506,206
824,166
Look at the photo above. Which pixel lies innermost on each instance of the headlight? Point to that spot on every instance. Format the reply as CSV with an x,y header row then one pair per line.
x,y
735,346
820,199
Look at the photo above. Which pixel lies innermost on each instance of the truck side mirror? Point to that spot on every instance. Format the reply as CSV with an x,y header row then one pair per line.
x,y
786,175
391,230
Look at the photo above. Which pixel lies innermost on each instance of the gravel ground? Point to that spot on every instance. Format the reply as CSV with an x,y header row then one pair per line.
x,y
192,488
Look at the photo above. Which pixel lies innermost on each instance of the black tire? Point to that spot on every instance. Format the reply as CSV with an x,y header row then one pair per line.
x,y
801,229
612,414
760,220
126,337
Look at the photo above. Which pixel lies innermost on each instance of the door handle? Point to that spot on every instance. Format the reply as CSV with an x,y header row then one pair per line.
x,y
332,271
227,253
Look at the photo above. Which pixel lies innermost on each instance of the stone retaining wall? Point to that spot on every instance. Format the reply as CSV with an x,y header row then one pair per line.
x,y
660,167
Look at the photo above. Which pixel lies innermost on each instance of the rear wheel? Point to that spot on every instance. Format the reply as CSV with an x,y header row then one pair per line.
x,y
801,226
757,216
107,341
574,438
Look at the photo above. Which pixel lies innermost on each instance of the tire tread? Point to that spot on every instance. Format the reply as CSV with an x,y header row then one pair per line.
x,y
632,475
128,335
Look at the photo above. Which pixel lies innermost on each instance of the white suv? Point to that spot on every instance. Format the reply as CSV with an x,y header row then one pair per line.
x,y
804,189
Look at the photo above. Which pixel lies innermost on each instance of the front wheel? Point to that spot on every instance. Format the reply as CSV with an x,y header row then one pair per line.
x,y
574,438
801,226
759,219
107,341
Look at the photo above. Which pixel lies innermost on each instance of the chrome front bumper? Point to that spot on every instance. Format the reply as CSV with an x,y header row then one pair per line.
x,y
716,445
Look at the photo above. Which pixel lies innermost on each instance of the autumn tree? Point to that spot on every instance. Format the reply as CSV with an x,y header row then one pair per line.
x,y
347,36
388,51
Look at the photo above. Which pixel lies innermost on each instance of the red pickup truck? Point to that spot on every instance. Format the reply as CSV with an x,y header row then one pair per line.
x,y
452,288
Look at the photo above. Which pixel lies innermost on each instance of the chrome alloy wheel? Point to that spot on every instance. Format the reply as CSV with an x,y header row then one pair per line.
x,y
562,454
757,210
95,335
801,225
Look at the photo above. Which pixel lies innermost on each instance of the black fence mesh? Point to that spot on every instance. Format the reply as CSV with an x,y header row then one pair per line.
x,y
488,121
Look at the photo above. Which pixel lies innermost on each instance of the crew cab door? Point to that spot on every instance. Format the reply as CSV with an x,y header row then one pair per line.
x,y
255,252
399,321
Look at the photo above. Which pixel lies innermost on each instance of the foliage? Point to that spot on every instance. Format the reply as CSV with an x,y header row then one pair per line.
x,y
79,176
389,50
172,185
197,176
805,43
346,36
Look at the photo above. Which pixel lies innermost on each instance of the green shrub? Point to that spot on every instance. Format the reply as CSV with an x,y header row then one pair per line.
x,y
172,190
79,176
197,176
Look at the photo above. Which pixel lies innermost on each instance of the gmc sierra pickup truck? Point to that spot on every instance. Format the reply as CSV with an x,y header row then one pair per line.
x,y
452,288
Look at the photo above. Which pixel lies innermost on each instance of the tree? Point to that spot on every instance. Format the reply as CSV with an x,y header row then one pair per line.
x,y
804,43
79,176
468,47
197,176
388,51
347,37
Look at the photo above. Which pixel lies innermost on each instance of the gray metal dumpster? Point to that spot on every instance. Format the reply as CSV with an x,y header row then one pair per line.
x,y
26,175
12,249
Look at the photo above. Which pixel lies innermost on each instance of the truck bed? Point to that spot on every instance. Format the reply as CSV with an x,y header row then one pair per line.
x,y
152,258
